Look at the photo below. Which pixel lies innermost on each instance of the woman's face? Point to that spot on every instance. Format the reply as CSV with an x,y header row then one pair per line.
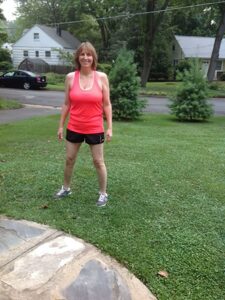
x,y
86,58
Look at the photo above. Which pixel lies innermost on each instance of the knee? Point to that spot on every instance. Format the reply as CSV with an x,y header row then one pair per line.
x,y
99,164
70,161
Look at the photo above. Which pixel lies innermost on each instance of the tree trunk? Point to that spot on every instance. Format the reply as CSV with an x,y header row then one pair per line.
x,y
104,33
152,25
216,48
146,67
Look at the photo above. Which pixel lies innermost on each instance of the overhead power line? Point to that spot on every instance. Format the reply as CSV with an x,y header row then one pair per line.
x,y
131,15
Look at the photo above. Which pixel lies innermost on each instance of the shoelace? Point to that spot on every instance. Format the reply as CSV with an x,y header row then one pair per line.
x,y
102,198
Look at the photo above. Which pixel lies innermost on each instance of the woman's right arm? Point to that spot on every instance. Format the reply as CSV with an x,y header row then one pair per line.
x,y
66,105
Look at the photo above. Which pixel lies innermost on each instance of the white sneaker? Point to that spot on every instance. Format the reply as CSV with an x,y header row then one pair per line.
x,y
63,193
102,200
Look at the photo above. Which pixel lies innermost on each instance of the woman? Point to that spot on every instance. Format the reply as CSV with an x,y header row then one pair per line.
x,y
87,97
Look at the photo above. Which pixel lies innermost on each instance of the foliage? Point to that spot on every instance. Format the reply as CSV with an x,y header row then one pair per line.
x,y
197,21
87,30
66,57
222,77
5,55
183,65
3,34
124,86
5,60
40,12
5,66
136,26
161,68
55,79
190,100
106,68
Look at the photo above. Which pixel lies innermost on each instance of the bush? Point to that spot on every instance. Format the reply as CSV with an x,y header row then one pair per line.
x,y
222,77
214,86
5,60
5,66
182,66
54,78
106,68
190,100
5,55
124,85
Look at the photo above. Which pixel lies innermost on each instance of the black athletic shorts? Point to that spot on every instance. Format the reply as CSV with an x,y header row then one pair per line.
x,y
91,139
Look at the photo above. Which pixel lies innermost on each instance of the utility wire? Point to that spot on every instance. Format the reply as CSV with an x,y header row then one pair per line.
x,y
131,15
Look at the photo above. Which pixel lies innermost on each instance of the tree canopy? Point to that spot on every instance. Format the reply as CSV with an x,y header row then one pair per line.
x,y
145,26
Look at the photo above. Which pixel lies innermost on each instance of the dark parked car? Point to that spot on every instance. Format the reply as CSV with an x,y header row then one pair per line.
x,y
22,79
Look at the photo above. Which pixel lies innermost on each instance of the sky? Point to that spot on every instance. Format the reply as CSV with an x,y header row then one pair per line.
x,y
8,7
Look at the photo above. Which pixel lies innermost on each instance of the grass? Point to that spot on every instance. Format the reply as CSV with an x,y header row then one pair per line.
x,y
9,104
163,89
167,89
166,208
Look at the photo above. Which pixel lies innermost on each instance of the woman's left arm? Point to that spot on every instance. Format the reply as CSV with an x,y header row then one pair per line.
x,y
107,107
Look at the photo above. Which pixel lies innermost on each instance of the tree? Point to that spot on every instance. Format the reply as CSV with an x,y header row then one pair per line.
x,y
1,13
124,85
190,100
152,22
3,34
216,48
40,12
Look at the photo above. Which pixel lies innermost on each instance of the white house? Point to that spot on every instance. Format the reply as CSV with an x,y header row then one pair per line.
x,y
42,42
185,47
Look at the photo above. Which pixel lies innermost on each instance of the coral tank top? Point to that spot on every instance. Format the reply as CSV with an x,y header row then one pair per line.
x,y
86,107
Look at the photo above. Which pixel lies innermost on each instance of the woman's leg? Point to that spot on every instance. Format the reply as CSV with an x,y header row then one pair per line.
x,y
98,160
72,150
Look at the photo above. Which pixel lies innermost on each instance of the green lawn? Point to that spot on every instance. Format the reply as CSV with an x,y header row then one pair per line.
x,y
167,89
9,104
167,199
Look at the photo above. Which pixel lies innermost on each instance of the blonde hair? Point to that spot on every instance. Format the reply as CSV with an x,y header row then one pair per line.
x,y
90,48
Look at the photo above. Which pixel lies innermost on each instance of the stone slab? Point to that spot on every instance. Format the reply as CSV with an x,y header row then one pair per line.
x,y
97,282
38,266
46,264
17,237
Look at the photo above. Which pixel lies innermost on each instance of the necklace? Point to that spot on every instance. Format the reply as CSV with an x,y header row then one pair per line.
x,y
86,81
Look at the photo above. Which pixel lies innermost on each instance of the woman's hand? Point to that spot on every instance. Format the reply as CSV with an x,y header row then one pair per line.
x,y
60,133
108,135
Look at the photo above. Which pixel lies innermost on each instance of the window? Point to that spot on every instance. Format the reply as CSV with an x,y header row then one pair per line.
x,y
36,36
19,73
9,74
25,53
37,53
219,65
47,53
173,47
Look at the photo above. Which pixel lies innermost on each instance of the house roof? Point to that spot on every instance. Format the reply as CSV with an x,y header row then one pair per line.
x,y
198,46
65,39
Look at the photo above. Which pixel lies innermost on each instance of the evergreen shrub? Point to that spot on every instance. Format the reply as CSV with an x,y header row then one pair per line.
x,y
104,67
54,78
5,55
5,66
183,65
190,100
124,87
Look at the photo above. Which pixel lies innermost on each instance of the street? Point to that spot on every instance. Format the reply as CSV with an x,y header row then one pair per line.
x,y
55,99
